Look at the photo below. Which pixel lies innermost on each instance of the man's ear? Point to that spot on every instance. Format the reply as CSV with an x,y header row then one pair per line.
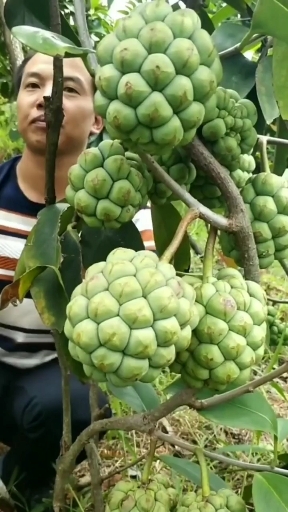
x,y
97,125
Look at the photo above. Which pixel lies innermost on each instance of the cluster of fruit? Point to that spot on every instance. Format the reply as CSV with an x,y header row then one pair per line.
x,y
132,317
159,496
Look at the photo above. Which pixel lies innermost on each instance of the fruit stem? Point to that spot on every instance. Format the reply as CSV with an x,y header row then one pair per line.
x,y
168,254
208,254
204,473
265,167
149,461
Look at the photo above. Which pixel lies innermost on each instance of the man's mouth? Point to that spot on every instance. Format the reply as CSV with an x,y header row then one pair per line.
x,y
39,120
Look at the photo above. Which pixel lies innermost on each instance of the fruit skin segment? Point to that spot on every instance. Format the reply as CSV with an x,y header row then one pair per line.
x,y
157,70
223,500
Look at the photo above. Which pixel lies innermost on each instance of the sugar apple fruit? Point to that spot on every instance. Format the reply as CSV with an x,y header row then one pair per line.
x,y
230,336
223,500
266,200
156,70
205,190
177,164
108,186
229,131
276,328
128,496
128,318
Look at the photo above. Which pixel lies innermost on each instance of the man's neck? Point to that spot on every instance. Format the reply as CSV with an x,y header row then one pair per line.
x,y
31,175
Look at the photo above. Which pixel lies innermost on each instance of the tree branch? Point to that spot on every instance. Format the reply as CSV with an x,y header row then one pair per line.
x,y
241,225
274,141
204,213
237,47
277,301
218,457
146,423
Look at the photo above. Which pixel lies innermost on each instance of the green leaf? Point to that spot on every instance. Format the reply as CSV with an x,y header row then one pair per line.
x,y
239,5
279,389
280,76
96,243
270,18
260,125
35,14
140,397
238,74
281,152
250,412
243,448
269,492
177,385
50,298
71,265
264,87
166,220
42,247
206,21
49,43
282,429
228,34
222,14
192,472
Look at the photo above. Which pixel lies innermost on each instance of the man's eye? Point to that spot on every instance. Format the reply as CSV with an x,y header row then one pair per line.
x,y
31,85
70,90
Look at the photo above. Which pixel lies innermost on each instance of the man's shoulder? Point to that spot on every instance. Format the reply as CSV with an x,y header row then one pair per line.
x,y
8,165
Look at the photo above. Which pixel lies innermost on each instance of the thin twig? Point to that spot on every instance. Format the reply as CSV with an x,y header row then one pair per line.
x,y
277,301
274,141
181,231
96,490
204,213
246,466
81,22
237,47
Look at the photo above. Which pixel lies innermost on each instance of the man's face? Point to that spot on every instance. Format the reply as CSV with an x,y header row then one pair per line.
x,y
79,118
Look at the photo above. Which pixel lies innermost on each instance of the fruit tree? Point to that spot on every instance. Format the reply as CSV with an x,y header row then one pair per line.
x,y
178,135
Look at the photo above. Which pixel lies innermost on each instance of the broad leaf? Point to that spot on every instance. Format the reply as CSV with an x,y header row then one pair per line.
x,y
50,298
281,151
265,91
228,34
192,472
270,18
166,220
35,14
96,244
18,289
269,492
177,385
140,397
250,412
222,14
280,76
238,74
239,5
282,429
42,247
243,448
49,43
206,21
71,265
260,125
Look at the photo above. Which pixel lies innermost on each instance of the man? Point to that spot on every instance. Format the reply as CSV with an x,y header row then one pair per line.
x,y
30,379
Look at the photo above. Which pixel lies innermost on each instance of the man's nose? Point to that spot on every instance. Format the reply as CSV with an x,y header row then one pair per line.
x,y
44,91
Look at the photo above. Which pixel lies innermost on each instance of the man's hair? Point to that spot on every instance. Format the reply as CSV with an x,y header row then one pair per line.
x,y
20,70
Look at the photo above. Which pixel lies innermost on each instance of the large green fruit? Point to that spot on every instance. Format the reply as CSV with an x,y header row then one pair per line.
x,y
156,70
128,496
128,318
230,336
223,500
210,195
179,167
228,127
266,200
108,186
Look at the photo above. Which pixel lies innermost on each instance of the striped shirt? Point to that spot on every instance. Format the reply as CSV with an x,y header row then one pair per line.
x,y
143,222
24,340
